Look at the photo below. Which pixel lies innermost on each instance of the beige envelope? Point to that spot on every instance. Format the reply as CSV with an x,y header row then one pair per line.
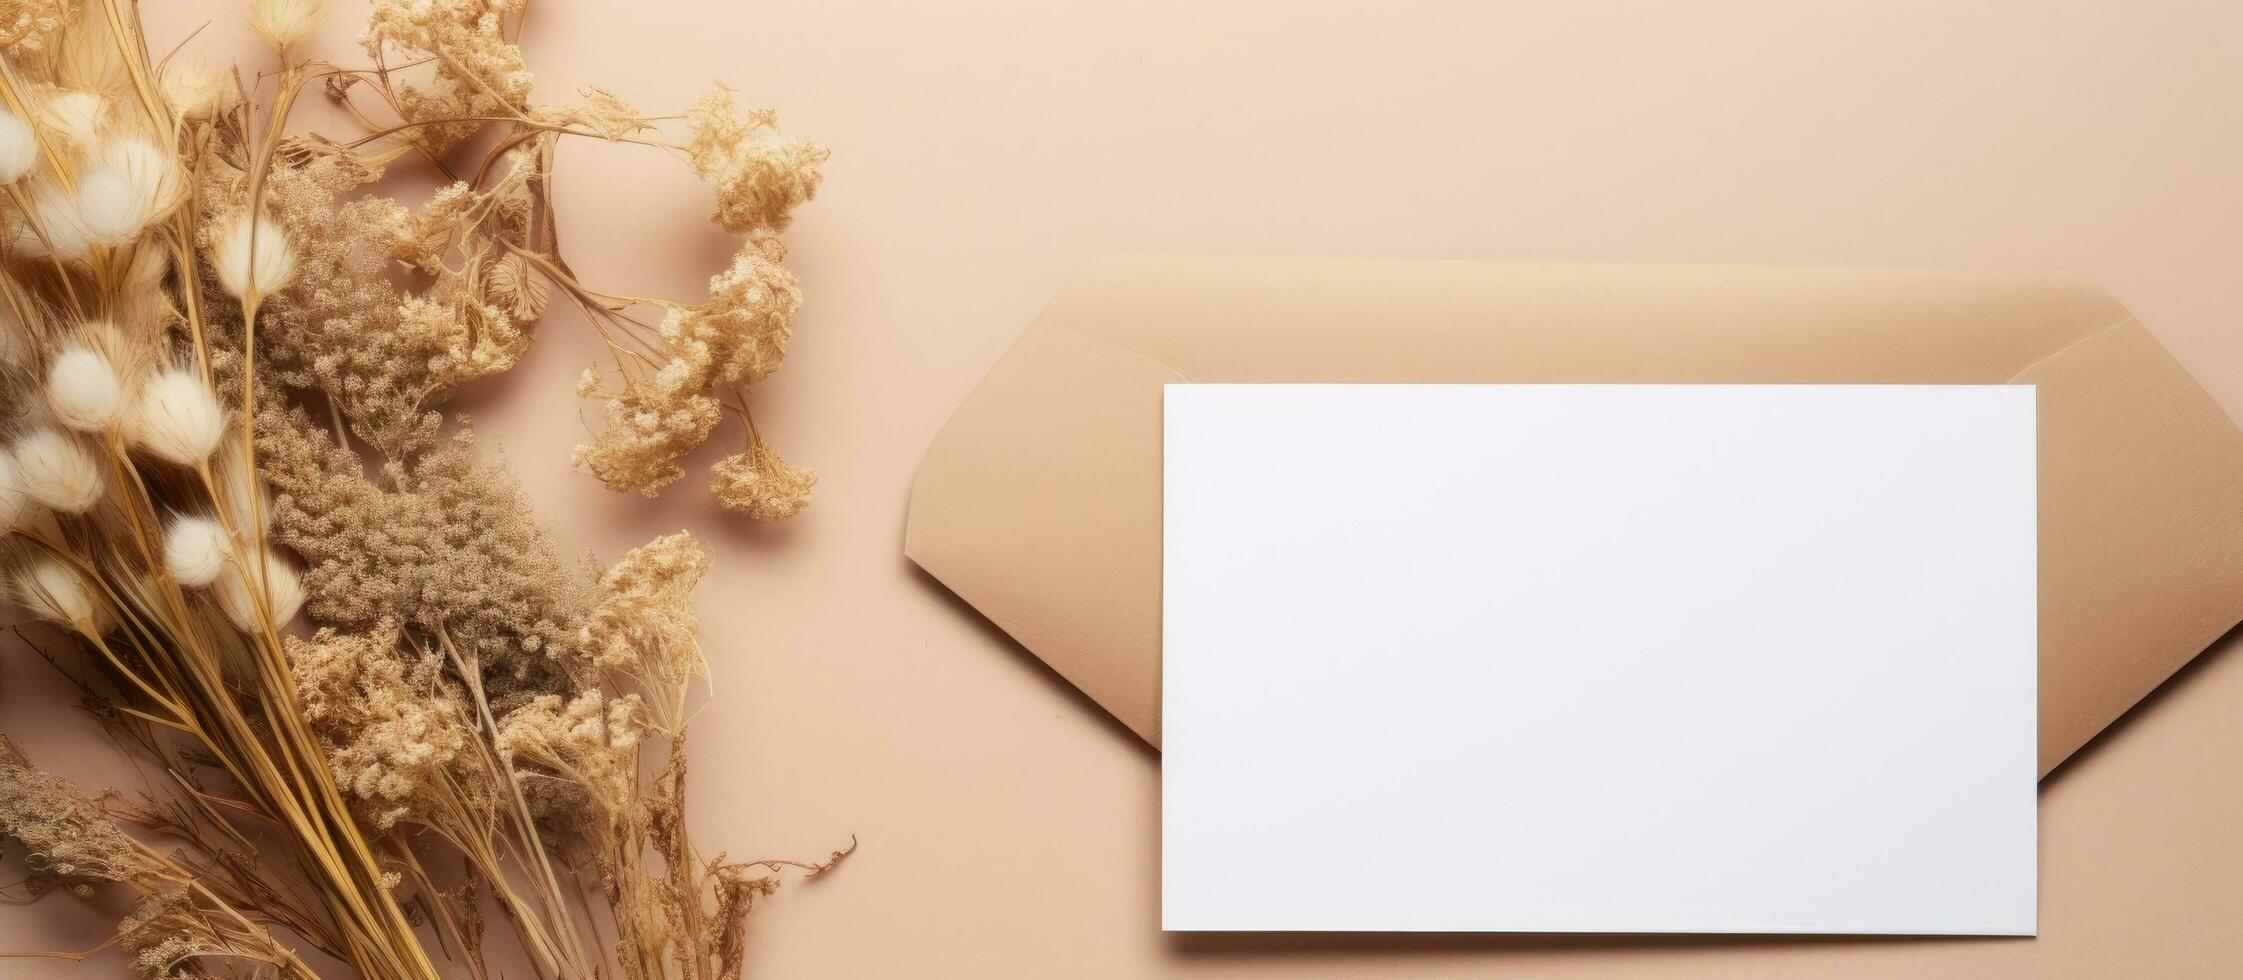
x,y
1040,501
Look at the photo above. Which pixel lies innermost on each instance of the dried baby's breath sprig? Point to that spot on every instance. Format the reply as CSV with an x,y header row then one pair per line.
x,y
643,627
652,422
478,72
739,336
180,927
761,175
164,934
760,485
395,723
591,741
65,840
489,247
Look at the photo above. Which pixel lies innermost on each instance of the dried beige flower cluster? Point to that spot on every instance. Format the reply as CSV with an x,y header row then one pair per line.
x,y
26,24
714,350
66,841
224,362
393,724
73,843
479,73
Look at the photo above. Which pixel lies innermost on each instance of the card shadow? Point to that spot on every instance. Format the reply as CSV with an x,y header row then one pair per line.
x,y
1303,945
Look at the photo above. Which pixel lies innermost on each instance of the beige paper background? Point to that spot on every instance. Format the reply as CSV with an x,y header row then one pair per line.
x,y
986,152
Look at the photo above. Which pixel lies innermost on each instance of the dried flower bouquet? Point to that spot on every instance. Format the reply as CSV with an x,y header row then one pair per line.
x,y
223,361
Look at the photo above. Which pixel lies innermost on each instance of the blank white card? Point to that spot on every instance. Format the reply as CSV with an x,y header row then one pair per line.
x,y
1599,658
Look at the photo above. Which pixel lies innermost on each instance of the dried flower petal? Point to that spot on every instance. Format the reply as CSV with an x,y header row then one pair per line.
x,y
512,285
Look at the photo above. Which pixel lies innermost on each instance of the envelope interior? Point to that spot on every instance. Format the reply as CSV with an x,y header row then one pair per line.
x,y
1039,502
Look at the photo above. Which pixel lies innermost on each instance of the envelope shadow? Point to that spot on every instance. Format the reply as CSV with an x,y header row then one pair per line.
x,y
2225,646
1060,686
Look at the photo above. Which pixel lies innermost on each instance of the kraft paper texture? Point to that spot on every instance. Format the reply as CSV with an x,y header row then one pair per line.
x,y
1039,502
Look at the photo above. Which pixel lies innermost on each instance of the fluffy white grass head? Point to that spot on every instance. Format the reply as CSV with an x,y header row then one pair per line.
x,y
248,504
19,148
196,90
55,469
133,185
144,275
14,503
52,228
177,418
15,336
196,550
83,390
112,214
56,592
77,117
87,55
140,304
284,22
251,255
284,591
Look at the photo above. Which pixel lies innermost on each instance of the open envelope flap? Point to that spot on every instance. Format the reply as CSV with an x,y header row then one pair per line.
x,y
1039,502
